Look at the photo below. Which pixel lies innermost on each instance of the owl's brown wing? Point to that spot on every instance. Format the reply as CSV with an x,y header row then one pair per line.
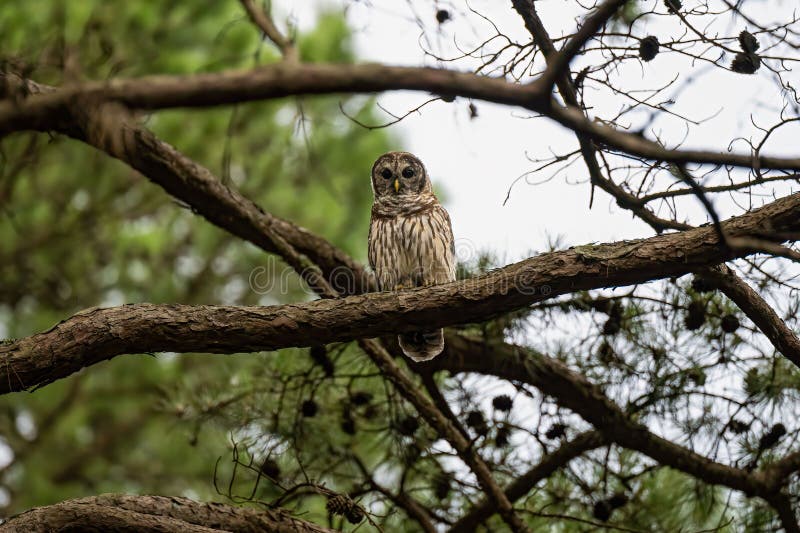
x,y
382,252
441,263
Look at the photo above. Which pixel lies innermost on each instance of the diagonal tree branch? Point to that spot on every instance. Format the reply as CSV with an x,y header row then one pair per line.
x,y
524,483
758,310
112,131
576,393
558,65
265,23
445,428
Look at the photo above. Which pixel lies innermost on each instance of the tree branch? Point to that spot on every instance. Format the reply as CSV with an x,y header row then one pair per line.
x,y
524,483
576,393
559,64
119,512
264,22
49,111
98,334
758,310
110,130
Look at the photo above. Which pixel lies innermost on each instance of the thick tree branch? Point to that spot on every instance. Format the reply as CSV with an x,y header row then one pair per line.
x,y
49,111
758,310
119,512
110,130
576,393
99,334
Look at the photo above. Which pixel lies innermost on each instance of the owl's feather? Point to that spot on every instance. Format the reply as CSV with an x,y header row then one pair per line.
x,y
410,240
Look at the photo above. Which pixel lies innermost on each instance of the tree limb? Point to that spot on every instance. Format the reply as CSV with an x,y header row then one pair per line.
x,y
758,310
98,334
112,131
524,483
120,512
576,393
264,22
48,111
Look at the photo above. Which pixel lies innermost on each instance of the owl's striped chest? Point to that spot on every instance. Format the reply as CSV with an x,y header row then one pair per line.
x,y
412,250
400,242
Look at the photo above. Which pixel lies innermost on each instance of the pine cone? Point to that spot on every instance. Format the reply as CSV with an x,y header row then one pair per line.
x,y
556,431
502,402
320,356
270,468
695,315
746,63
702,285
602,510
361,398
748,42
772,437
648,48
407,426
354,515
339,504
738,427
729,323
309,408
477,422
618,500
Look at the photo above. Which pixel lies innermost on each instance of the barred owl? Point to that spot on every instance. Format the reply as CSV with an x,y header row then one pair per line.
x,y
410,239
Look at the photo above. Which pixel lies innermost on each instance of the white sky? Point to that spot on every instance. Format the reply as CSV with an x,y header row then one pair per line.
x,y
475,161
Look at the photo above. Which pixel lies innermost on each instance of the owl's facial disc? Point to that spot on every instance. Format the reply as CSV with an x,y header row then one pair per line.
x,y
399,174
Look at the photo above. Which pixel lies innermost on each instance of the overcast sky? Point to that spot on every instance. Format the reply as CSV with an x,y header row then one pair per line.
x,y
474,162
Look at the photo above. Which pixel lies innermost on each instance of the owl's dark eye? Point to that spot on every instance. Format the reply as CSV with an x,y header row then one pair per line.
x,y
386,173
408,172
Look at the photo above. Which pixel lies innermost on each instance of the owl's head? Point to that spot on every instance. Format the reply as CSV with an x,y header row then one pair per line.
x,y
399,174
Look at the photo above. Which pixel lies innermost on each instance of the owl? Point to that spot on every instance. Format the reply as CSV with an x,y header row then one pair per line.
x,y
410,239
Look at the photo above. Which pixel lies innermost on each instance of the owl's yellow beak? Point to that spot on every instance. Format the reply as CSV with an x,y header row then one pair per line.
x,y
396,185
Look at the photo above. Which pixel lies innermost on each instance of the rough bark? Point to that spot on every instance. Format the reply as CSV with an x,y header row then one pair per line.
x,y
111,130
126,513
98,334
49,111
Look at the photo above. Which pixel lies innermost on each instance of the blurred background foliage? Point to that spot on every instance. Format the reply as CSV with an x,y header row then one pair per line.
x,y
79,229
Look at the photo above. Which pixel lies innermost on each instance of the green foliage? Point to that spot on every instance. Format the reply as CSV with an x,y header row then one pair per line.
x,y
81,229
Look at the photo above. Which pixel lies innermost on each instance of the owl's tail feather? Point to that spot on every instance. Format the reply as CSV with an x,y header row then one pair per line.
x,y
422,345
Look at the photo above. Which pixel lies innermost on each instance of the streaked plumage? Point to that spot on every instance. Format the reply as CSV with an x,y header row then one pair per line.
x,y
410,239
